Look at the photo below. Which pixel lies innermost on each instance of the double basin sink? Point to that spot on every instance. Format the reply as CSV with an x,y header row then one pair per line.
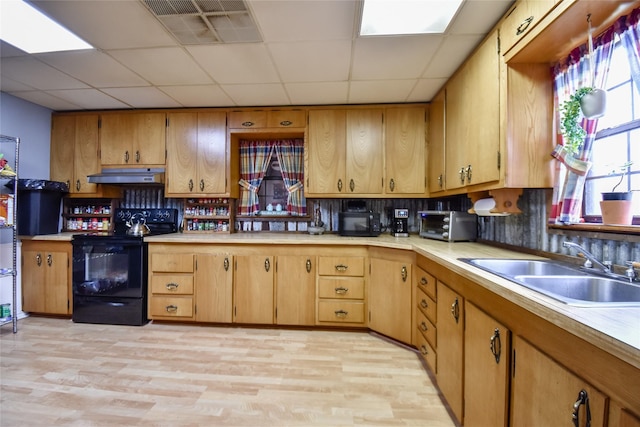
x,y
563,282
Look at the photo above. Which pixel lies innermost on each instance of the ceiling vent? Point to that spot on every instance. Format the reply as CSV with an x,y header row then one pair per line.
x,y
206,21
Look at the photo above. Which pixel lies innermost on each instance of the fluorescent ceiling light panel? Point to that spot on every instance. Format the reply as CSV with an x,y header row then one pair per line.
x,y
394,17
26,28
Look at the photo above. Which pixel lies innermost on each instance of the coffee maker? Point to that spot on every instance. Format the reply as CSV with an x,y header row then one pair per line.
x,y
399,225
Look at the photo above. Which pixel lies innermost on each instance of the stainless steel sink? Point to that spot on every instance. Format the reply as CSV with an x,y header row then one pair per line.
x,y
584,290
568,284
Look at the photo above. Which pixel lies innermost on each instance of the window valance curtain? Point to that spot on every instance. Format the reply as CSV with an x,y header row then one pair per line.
x,y
254,162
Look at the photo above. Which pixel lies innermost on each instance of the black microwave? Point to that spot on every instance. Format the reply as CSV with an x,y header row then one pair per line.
x,y
364,224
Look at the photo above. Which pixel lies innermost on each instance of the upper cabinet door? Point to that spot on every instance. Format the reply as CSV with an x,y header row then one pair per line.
x,y
212,153
325,153
364,152
405,148
525,15
436,144
86,153
63,137
133,139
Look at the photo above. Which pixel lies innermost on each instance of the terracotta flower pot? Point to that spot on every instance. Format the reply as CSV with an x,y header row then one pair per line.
x,y
616,208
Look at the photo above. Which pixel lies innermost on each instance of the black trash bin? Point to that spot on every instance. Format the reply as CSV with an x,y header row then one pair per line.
x,y
39,206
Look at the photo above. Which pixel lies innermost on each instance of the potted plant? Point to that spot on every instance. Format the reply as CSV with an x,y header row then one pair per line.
x,y
616,205
572,132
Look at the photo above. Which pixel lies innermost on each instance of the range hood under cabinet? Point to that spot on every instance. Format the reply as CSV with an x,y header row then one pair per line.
x,y
128,176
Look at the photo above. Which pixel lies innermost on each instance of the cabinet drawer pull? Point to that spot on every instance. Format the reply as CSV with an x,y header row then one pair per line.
x,y
248,124
341,313
424,281
423,326
424,304
172,286
286,123
341,290
496,345
523,27
341,267
171,308
423,350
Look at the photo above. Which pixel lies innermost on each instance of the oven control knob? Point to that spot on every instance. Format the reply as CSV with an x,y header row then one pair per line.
x,y
445,227
445,234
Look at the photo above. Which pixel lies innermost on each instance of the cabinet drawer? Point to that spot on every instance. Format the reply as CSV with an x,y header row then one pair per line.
x,y
426,305
341,287
341,311
286,119
427,352
172,284
171,306
247,119
427,328
526,15
426,282
172,263
341,266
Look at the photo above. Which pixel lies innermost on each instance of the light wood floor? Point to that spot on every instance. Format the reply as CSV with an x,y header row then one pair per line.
x,y
58,373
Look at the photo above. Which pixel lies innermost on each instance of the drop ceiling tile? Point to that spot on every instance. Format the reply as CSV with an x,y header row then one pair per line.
x,y
108,24
34,73
401,57
318,93
7,50
479,16
93,67
198,96
237,63
143,97
304,20
10,85
46,100
257,94
163,66
451,54
426,89
89,99
380,91
313,61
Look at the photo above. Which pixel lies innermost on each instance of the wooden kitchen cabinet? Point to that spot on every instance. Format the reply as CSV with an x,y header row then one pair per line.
x,y
450,322
425,316
214,287
521,19
133,139
544,392
271,119
345,153
436,143
295,290
390,289
196,154
254,289
472,147
46,277
405,150
486,369
74,152
171,286
341,290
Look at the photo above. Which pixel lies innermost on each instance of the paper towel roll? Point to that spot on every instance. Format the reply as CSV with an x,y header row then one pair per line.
x,y
483,206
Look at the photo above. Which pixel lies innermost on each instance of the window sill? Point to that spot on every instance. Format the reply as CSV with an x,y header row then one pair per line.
x,y
627,232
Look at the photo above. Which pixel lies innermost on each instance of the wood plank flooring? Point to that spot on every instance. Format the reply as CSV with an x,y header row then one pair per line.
x,y
58,373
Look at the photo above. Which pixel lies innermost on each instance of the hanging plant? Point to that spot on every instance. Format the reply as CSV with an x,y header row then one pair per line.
x,y
572,133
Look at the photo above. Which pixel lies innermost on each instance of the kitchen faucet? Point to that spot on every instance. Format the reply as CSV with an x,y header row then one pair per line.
x,y
591,260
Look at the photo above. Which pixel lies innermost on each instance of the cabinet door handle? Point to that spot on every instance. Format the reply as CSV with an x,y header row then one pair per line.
x,y
77,185
440,181
202,185
38,260
523,27
461,173
226,264
583,399
392,184
468,172
403,273
423,326
190,185
341,290
248,124
171,308
341,267
126,156
69,183
49,260
267,264
455,310
352,185
172,286
286,123
496,345
341,313
137,156
424,304
339,185
308,265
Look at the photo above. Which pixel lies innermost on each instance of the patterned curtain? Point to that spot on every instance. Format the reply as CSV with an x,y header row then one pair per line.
x,y
291,157
569,75
254,161
629,31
